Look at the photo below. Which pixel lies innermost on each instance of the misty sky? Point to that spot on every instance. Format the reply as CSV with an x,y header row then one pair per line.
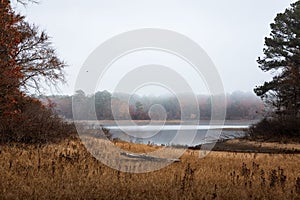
x,y
231,32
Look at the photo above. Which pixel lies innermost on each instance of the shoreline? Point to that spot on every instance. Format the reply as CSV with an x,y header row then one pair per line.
x,y
237,145
243,145
168,122
240,145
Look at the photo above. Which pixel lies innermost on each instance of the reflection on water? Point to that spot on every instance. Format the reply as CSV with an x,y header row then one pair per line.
x,y
177,134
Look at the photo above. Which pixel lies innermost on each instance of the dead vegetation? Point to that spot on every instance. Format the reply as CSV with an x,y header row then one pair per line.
x,y
67,170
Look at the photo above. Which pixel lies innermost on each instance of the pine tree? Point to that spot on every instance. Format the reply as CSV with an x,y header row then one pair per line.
x,y
282,58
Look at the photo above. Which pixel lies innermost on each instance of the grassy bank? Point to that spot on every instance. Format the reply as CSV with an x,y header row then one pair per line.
x,y
249,146
67,170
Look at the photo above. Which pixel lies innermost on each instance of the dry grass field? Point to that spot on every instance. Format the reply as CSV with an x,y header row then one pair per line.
x,y
67,171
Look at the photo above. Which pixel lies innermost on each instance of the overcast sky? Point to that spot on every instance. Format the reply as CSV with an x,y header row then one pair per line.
x,y
231,32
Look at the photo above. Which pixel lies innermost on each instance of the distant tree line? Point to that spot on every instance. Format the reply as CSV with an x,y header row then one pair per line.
x,y
239,106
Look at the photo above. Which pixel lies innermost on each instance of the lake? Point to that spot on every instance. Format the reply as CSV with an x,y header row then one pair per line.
x,y
186,135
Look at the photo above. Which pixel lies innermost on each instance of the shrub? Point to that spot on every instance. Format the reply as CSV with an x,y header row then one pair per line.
x,y
275,129
33,123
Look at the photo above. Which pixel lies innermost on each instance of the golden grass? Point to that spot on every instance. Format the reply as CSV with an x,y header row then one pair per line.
x,y
68,171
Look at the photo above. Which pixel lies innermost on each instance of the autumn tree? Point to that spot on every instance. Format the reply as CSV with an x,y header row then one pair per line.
x,y
37,58
27,59
10,72
282,58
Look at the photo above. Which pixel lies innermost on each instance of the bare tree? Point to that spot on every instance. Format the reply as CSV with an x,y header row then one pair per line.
x,y
37,59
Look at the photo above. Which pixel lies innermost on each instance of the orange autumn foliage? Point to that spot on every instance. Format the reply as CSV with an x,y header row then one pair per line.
x,y
26,55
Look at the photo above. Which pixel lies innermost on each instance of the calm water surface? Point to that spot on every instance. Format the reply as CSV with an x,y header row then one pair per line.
x,y
177,134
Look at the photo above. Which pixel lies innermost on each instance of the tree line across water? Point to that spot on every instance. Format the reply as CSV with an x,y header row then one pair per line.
x,y
107,106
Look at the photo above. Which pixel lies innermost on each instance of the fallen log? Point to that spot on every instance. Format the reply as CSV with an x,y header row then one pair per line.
x,y
148,157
